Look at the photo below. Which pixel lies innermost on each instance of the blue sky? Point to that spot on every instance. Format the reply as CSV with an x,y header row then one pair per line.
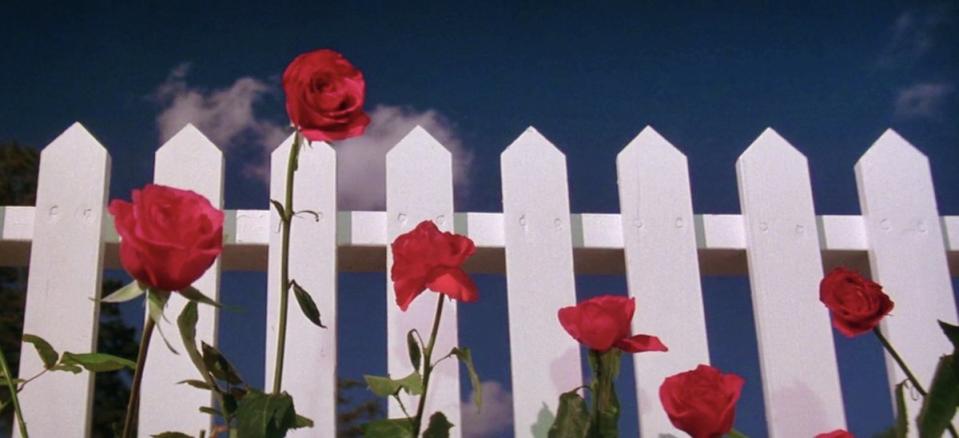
x,y
829,78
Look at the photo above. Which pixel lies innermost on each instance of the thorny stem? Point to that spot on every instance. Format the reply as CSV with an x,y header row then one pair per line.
x,y
13,396
286,218
427,367
134,401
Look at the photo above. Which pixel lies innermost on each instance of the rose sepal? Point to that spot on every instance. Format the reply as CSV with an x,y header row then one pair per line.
x,y
126,293
193,294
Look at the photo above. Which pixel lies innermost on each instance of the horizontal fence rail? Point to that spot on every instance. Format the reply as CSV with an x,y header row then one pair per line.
x,y
597,241
657,242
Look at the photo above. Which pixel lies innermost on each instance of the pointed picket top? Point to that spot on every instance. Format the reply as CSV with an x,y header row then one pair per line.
x,y
190,160
190,140
313,266
76,142
907,253
800,379
892,148
659,244
770,145
66,263
651,146
531,143
416,143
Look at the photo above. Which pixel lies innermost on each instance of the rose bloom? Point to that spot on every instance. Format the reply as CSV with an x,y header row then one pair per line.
x,y
838,433
426,258
701,402
602,323
856,304
324,96
168,237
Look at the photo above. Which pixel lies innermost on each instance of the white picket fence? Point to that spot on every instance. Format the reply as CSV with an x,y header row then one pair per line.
x,y
657,241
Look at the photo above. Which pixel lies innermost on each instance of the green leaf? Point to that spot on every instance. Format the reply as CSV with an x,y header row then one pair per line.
x,y
126,293
389,428
193,294
302,422
98,362
196,384
939,405
262,415
218,366
733,433
171,435
464,355
952,332
186,322
307,305
69,367
47,354
439,427
386,387
209,410
414,349
279,208
155,303
572,417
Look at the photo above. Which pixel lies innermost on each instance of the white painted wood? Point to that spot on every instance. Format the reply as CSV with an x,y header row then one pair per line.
x,y
187,161
419,186
662,269
906,254
309,368
544,359
597,237
64,276
796,354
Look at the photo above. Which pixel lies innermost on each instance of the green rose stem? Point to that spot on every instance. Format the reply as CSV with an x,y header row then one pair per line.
x,y
286,218
428,367
604,395
909,375
134,401
13,396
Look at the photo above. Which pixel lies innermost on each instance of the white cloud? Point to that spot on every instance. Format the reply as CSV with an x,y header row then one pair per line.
x,y
913,34
228,118
361,161
496,416
922,100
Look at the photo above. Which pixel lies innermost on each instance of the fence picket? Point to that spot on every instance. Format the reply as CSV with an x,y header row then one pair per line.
x,y
906,254
187,161
539,281
419,186
796,354
662,269
309,369
66,262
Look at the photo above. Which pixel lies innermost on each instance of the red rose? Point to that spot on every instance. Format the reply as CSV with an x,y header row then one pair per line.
x,y
701,402
427,258
168,237
602,323
324,96
856,304
838,433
